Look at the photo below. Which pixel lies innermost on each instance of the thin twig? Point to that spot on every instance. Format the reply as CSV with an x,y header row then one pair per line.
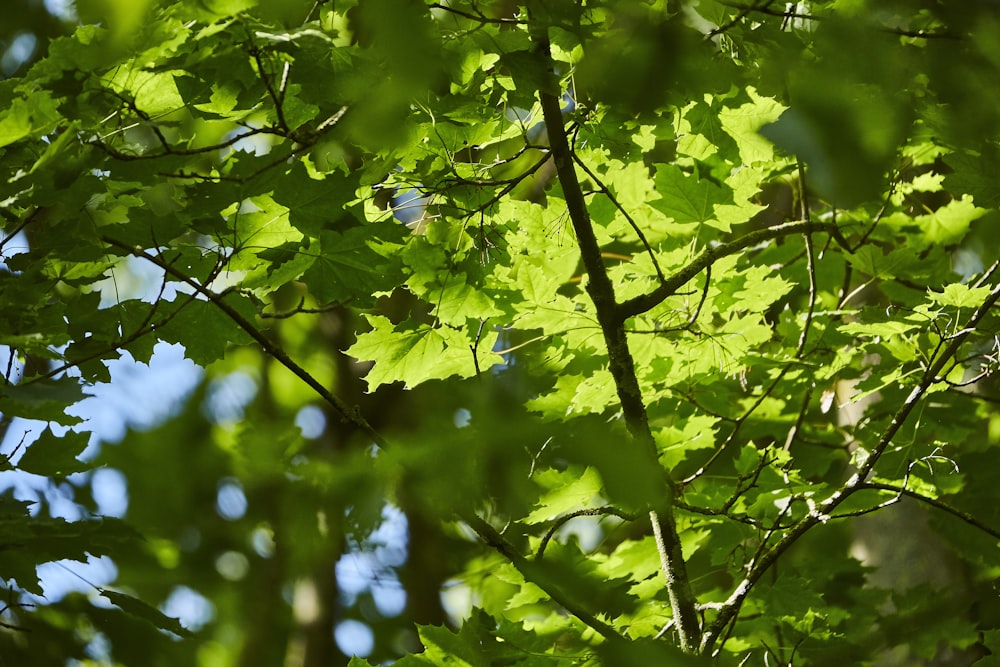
x,y
170,150
346,413
930,376
561,521
708,256
937,504
737,425
786,14
743,13
858,481
20,226
302,310
810,262
704,296
479,16
631,221
531,572
474,348
266,80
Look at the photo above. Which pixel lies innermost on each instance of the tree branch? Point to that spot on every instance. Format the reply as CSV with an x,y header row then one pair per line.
x,y
478,16
631,221
937,504
931,375
743,13
532,572
822,511
708,256
765,8
620,363
485,531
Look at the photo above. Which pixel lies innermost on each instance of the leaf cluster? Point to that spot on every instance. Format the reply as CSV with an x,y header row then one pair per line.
x,y
655,306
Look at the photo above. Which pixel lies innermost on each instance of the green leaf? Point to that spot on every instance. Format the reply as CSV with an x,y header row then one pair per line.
x,y
216,331
636,559
42,399
888,329
31,541
55,456
748,459
154,93
350,265
139,609
959,295
571,491
877,263
743,123
459,301
947,225
315,205
359,662
686,198
441,644
415,354
646,652
36,115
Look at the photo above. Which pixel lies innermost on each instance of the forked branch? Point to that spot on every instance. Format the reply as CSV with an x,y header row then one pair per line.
x,y
859,481
620,361
645,302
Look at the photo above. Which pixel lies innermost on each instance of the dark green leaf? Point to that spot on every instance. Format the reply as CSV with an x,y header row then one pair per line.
x,y
138,608
55,456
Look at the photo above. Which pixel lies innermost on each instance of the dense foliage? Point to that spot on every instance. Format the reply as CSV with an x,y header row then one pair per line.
x,y
665,329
